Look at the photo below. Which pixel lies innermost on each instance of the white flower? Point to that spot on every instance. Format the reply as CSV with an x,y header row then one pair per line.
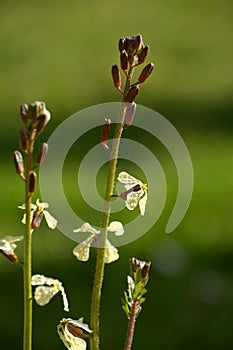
x,y
46,288
7,247
37,212
135,189
71,333
82,250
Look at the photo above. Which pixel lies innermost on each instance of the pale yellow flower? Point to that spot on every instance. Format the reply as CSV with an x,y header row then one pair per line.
x,y
46,288
82,250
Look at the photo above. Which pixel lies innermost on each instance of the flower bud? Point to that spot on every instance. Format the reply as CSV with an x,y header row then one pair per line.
x,y
42,153
138,42
143,54
131,94
24,112
105,132
124,60
146,72
130,110
116,76
32,182
136,264
121,44
18,162
22,140
42,122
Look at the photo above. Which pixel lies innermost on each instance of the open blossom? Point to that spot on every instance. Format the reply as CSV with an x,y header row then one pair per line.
x,y
82,250
72,332
136,192
38,210
7,247
46,288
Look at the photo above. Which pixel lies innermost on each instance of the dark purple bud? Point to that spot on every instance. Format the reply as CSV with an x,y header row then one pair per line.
x,y
131,94
146,72
130,109
143,54
18,162
41,123
139,264
138,42
124,60
32,182
121,44
24,112
22,140
10,255
116,76
42,153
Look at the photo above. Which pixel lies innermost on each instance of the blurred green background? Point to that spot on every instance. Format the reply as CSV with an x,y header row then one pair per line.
x,y
61,53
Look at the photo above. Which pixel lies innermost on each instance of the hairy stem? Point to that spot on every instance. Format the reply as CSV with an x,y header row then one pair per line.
x,y
99,271
27,258
131,326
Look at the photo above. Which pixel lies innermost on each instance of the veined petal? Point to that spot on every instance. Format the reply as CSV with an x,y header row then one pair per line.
x,y
111,253
12,239
82,250
51,221
142,204
43,294
86,227
116,227
41,205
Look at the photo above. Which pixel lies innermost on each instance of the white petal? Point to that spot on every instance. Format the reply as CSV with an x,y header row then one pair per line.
x,y
43,294
38,280
51,221
71,342
6,246
86,227
127,179
12,239
111,253
142,204
65,300
132,200
82,250
41,205
116,227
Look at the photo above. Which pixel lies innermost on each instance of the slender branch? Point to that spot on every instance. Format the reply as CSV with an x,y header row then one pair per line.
x,y
131,326
27,257
99,272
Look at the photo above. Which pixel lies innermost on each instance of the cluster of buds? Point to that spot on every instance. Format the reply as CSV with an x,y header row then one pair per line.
x,y
35,117
137,281
133,52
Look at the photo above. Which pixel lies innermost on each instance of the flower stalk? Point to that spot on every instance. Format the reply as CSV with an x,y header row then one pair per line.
x,y
129,58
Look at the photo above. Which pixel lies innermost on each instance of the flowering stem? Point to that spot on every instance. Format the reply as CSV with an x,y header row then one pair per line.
x,y
131,325
28,257
99,271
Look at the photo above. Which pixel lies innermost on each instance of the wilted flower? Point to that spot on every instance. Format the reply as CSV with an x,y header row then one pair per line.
x,y
71,333
37,212
7,247
135,189
46,288
82,250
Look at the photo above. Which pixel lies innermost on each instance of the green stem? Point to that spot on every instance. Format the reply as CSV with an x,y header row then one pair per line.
x,y
27,258
99,271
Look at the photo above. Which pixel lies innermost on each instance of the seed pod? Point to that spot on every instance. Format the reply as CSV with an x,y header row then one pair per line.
x,y
24,112
124,60
22,140
36,219
143,54
105,133
145,73
32,182
42,153
129,114
131,94
18,162
121,44
116,76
